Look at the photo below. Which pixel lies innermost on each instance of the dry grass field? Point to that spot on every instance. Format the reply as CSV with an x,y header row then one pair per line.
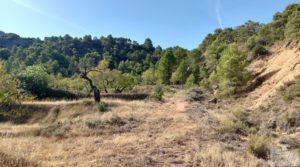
x,y
131,133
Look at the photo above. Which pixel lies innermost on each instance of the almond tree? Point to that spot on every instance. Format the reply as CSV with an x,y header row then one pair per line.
x,y
87,65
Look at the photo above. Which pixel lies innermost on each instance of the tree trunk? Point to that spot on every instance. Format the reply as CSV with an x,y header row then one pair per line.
x,y
96,95
95,90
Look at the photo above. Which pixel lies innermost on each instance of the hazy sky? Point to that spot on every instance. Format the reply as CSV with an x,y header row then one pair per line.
x,y
166,22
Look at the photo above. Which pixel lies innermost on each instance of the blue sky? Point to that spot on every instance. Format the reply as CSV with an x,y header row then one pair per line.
x,y
166,22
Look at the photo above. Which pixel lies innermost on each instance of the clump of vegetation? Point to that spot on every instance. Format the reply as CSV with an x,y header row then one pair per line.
x,y
195,95
101,106
34,80
231,74
259,146
55,130
74,85
237,121
257,51
9,93
216,156
181,73
165,67
113,120
157,93
230,126
149,77
293,26
291,119
290,90
93,123
191,81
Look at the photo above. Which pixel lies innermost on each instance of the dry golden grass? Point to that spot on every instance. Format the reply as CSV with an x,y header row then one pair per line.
x,y
216,156
130,133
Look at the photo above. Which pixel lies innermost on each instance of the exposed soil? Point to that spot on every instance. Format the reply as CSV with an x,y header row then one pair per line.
x,y
280,66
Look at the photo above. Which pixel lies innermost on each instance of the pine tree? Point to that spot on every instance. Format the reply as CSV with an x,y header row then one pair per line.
x,y
181,73
195,70
292,29
165,67
149,77
231,72
191,80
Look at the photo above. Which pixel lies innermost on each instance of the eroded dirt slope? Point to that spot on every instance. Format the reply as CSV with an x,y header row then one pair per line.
x,y
281,65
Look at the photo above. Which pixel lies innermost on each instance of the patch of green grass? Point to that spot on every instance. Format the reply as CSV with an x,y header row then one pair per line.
x,y
101,106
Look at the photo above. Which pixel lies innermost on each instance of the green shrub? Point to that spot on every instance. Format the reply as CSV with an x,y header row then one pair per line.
x,y
259,146
204,84
293,25
158,93
258,50
9,93
34,80
101,106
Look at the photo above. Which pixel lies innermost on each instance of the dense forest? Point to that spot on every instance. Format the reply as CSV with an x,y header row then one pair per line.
x,y
55,66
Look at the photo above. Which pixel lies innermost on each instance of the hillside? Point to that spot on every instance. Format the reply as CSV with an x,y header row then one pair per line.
x,y
185,129
8,40
273,70
110,101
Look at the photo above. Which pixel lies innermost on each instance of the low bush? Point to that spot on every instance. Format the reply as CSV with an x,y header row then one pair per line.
x,y
158,93
236,122
101,106
291,118
113,120
195,95
258,50
259,146
230,126
290,90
